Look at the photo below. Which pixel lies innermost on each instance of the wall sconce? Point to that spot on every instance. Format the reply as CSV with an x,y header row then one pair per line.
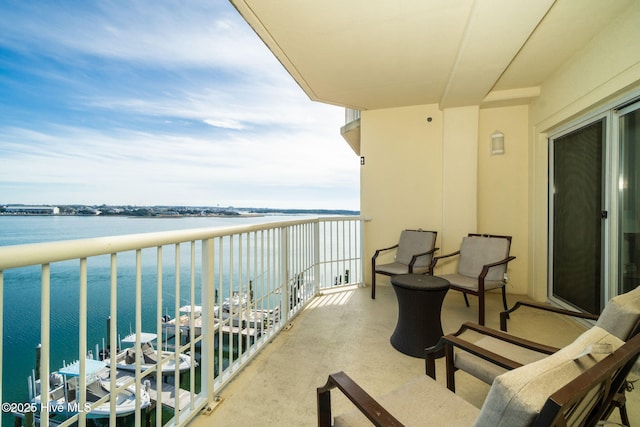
x,y
497,143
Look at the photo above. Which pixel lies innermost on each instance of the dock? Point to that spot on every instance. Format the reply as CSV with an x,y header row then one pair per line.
x,y
168,397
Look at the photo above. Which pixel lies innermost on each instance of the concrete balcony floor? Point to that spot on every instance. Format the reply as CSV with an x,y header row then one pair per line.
x,y
348,331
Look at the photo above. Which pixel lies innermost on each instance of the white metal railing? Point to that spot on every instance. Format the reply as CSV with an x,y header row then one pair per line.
x,y
351,115
233,289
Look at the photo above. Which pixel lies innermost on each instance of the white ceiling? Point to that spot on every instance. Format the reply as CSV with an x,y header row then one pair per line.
x,y
369,54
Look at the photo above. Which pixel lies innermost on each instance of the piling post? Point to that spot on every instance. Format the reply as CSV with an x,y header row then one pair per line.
x,y
38,351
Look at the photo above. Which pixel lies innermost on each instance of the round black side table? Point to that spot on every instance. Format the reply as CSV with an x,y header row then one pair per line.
x,y
420,298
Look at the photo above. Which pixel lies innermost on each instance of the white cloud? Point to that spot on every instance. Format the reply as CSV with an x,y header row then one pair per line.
x,y
159,103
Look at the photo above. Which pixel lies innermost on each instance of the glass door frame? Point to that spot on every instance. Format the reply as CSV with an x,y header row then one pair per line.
x,y
605,117
617,225
611,111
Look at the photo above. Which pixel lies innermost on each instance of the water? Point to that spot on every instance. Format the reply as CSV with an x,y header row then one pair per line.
x,y
21,321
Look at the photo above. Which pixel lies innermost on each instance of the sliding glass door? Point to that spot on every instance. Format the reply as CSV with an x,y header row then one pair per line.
x,y
594,209
577,216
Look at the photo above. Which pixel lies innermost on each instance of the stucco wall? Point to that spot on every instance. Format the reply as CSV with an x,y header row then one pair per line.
x,y
439,175
503,185
604,72
401,180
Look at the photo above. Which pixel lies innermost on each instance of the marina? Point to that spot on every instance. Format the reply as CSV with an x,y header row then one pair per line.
x,y
168,395
237,320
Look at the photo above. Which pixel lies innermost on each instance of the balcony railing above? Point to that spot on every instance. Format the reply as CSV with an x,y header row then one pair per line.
x,y
351,115
214,295
351,130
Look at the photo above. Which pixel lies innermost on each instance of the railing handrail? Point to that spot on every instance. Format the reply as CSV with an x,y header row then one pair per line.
x,y
16,256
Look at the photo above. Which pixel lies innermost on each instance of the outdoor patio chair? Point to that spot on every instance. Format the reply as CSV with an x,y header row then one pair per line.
x,y
574,386
414,251
487,353
482,266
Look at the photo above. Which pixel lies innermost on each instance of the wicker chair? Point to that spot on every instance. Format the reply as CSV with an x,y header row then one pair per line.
x,y
482,266
414,251
570,387
487,353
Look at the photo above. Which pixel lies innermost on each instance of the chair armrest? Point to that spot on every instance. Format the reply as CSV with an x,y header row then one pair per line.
x,y
505,314
356,394
454,340
511,339
375,255
486,267
415,257
482,353
434,260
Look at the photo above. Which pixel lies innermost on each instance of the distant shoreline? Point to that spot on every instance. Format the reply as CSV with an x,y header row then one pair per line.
x,y
241,215
160,211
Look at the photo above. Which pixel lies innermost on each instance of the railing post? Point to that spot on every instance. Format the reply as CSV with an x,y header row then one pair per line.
x,y
207,362
1,329
45,318
316,257
284,271
362,275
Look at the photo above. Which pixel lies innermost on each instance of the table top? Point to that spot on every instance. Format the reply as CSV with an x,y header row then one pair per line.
x,y
420,282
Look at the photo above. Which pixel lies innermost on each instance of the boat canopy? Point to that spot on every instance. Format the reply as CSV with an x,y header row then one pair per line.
x,y
92,367
187,309
144,337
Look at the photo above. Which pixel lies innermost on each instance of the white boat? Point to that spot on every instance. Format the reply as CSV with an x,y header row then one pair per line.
x,y
63,392
237,309
183,321
235,312
149,357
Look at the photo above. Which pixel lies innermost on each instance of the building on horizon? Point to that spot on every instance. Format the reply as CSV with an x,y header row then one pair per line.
x,y
32,210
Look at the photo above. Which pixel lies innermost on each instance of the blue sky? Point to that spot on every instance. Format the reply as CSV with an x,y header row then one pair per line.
x,y
159,103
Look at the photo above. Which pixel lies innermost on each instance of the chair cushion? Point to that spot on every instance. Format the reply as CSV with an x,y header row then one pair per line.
x,y
414,242
470,283
516,397
621,314
395,268
420,402
487,371
477,251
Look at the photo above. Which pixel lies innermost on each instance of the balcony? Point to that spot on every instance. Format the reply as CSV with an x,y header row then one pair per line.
x,y
345,330
308,271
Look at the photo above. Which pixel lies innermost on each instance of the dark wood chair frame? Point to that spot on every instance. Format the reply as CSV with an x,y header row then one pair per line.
x,y
480,293
448,342
414,258
610,374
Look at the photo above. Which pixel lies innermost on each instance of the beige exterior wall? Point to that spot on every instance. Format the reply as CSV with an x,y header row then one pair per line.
x,y
503,186
460,179
401,180
605,71
439,175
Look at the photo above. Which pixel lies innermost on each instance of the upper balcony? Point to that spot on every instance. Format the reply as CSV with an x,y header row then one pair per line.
x,y
351,129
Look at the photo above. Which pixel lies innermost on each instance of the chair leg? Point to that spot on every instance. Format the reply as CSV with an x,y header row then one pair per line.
x,y
504,298
481,309
624,416
466,300
324,408
373,282
450,369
